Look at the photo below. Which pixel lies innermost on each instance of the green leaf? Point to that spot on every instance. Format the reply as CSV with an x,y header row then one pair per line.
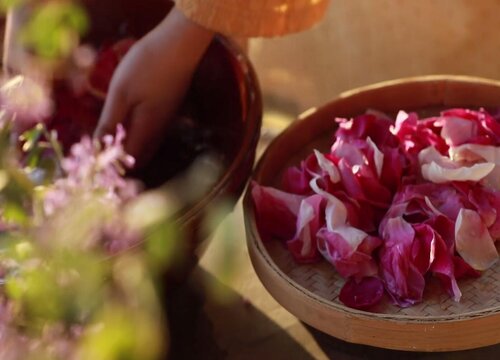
x,y
5,144
15,214
24,250
4,179
166,245
20,188
124,333
54,28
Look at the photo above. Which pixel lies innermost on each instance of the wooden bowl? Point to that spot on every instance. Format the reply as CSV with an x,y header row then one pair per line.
x,y
310,292
222,112
227,97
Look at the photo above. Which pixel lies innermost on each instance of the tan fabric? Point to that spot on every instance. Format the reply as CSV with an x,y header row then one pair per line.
x,y
250,18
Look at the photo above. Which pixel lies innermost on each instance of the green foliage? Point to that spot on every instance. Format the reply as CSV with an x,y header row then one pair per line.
x,y
7,4
55,272
57,275
165,245
123,334
53,30
226,261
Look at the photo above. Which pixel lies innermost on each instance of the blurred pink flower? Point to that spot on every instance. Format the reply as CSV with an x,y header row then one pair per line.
x,y
91,167
26,101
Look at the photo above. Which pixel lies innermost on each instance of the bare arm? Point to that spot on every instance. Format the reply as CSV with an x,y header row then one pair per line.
x,y
151,82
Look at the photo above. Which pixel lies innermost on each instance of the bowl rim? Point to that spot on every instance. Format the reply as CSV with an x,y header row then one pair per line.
x,y
252,111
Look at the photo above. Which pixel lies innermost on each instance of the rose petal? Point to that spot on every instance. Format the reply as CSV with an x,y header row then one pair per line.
x,y
336,212
362,295
464,270
473,241
416,134
378,156
403,280
345,250
442,265
328,167
438,174
276,212
309,220
368,125
440,169
475,153
457,131
423,248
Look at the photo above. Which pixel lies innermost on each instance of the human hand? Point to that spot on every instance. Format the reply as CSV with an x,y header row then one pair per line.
x,y
151,82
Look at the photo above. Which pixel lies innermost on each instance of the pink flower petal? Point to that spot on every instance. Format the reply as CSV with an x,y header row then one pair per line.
x,y
473,241
309,220
488,129
369,125
477,154
328,167
398,232
443,268
276,212
464,270
423,248
378,156
349,250
445,227
403,281
416,134
296,181
457,131
440,169
362,295
393,168
351,153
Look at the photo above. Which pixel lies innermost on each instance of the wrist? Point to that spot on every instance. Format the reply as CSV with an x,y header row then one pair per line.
x,y
178,37
190,30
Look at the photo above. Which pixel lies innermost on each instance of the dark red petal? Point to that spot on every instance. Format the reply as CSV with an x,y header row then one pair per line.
x,y
296,181
464,270
276,212
362,295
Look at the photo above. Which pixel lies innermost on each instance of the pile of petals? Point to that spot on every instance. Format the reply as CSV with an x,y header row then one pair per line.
x,y
393,204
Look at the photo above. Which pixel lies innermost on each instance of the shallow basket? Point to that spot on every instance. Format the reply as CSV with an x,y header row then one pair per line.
x,y
310,292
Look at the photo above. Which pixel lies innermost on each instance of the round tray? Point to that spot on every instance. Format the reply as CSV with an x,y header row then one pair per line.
x,y
310,292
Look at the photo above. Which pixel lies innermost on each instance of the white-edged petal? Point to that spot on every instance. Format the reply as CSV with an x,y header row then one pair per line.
x,y
473,241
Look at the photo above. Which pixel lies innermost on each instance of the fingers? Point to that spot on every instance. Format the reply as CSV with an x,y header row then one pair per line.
x,y
115,111
145,125
145,133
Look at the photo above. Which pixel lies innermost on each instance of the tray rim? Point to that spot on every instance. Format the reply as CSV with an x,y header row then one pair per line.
x,y
274,279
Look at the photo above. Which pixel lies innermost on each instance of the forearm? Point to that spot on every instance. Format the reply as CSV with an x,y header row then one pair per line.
x,y
185,36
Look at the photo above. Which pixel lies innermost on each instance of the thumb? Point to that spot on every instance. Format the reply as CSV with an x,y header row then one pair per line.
x,y
115,111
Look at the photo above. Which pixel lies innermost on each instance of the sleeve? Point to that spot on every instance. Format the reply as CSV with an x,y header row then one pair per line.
x,y
253,18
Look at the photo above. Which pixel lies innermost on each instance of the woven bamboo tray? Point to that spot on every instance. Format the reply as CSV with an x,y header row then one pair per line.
x,y
310,292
